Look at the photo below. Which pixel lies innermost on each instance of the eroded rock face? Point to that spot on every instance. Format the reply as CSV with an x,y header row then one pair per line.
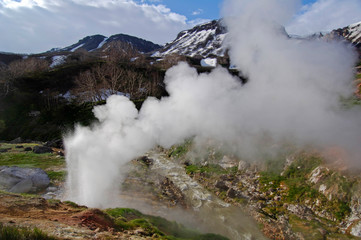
x,y
23,180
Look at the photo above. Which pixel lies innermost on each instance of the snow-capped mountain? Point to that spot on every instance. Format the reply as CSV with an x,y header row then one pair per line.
x,y
203,40
351,33
95,42
206,39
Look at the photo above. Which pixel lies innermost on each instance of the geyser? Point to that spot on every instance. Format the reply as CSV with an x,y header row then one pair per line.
x,y
293,93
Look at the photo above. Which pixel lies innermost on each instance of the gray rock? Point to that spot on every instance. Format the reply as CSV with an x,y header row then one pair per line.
x,y
28,149
23,186
23,180
42,149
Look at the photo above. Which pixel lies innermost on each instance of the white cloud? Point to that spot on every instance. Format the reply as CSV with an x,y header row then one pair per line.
x,y
197,12
39,25
198,21
325,15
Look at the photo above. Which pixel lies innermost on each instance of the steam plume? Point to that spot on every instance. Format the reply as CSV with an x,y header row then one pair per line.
x,y
293,92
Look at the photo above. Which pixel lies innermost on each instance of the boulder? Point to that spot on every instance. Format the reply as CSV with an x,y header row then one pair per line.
x,y
56,143
23,180
28,149
42,149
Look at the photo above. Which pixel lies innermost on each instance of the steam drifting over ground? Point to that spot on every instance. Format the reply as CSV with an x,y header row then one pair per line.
x,y
293,93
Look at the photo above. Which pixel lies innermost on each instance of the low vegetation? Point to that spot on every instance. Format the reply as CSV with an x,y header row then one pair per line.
x,y
158,227
16,233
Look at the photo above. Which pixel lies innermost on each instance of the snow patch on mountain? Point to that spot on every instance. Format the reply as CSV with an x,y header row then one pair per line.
x,y
354,33
203,40
77,47
57,60
209,62
102,43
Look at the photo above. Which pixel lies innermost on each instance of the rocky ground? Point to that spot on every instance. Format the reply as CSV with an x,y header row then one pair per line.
x,y
31,182
62,220
297,195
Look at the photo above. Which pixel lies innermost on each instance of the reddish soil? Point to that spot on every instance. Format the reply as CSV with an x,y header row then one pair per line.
x,y
63,220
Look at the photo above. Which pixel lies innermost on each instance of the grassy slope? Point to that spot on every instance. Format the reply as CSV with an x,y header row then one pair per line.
x,y
51,163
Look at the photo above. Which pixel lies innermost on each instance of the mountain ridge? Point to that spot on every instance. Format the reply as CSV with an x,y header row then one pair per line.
x,y
96,42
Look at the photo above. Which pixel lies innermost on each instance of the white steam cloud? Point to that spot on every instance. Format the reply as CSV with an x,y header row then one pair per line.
x,y
293,92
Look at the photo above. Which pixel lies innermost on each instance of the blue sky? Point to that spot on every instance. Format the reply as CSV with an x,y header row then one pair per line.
x,y
32,26
193,9
201,9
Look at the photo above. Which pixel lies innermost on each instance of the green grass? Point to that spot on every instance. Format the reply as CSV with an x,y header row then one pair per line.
x,y
130,219
57,176
178,151
15,233
20,158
